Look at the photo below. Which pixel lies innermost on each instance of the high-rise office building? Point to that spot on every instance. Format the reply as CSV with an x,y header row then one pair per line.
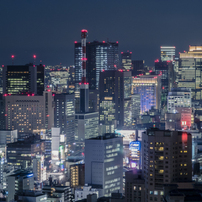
x,y
135,106
137,67
100,56
77,175
29,112
149,88
166,70
23,79
59,80
86,125
20,154
39,170
8,136
104,163
18,182
166,159
134,186
64,115
167,53
190,71
179,111
126,60
115,99
178,97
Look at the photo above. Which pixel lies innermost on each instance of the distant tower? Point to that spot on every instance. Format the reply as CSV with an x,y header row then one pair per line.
x,y
84,86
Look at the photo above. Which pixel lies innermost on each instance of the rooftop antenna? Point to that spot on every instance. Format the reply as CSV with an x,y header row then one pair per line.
x,y
34,56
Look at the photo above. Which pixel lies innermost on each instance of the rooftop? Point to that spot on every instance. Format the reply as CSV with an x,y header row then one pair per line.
x,y
106,136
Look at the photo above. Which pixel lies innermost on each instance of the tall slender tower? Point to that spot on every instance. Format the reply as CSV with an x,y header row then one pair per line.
x,y
84,86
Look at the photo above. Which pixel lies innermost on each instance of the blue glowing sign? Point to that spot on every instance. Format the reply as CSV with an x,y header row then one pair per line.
x,y
135,146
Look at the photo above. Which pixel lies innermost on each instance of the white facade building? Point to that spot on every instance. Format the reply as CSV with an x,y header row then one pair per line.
x,y
82,193
178,97
104,163
86,125
8,136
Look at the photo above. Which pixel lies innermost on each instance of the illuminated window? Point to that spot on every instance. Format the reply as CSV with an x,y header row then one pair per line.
x,y
185,164
161,158
161,148
151,148
161,171
151,175
134,187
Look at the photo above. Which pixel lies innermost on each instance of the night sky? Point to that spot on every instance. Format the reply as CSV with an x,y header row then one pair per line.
x,y
48,28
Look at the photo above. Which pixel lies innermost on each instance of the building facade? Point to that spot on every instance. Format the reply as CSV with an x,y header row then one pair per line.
x,y
115,99
126,60
100,56
64,115
104,163
29,112
167,53
149,88
190,71
23,79
166,159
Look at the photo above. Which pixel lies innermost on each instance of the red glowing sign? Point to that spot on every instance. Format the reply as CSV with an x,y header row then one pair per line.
x,y
12,56
184,138
103,41
157,60
75,42
34,56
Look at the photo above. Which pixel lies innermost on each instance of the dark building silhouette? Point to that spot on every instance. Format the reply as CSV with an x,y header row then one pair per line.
x,y
23,79
115,99
64,115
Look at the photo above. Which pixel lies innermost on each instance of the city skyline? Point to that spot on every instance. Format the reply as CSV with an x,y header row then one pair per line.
x,y
50,29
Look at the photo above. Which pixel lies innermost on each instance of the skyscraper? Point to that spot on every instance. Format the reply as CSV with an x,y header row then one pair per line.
x,y
100,56
166,160
126,60
137,67
166,69
178,97
86,122
104,163
115,99
64,115
179,109
149,88
29,112
23,79
190,71
167,53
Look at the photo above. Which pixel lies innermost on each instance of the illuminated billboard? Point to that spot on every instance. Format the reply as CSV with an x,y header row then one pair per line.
x,y
135,146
